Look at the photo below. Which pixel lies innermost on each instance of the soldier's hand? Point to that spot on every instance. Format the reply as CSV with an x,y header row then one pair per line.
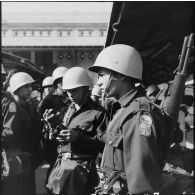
x,y
48,114
66,135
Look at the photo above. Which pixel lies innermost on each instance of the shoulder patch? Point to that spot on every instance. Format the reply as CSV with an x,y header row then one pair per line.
x,y
145,125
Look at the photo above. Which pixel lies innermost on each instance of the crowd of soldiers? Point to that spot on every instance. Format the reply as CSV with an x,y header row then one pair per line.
x,y
113,139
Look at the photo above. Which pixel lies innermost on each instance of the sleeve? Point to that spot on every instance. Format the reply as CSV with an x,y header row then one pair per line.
x,y
101,130
93,144
140,154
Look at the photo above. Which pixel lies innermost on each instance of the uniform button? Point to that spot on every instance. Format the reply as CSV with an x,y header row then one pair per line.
x,y
110,142
105,186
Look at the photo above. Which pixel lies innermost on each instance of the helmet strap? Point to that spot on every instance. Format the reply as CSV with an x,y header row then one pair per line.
x,y
107,87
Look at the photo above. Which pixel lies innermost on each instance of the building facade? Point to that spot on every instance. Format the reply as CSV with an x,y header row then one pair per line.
x,y
65,39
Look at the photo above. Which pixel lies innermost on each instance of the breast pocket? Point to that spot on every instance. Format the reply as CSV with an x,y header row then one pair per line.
x,y
115,140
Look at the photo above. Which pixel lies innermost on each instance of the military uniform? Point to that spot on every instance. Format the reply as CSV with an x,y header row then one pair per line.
x,y
86,120
85,147
21,129
135,143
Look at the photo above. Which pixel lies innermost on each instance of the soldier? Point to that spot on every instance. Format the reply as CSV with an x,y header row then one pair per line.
x,y
47,86
134,151
20,136
57,99
53,106
36,97
78,134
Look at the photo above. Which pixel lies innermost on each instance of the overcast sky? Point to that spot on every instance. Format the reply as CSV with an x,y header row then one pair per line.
x,y
55,6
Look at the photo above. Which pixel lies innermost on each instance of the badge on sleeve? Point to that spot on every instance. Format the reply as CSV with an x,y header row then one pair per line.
x,y
145,125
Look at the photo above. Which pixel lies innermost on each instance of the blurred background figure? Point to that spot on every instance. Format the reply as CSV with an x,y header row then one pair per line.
x,y
57,99
57,76
36,97
96,94
51,110
21,135
5,77
47,86
3,73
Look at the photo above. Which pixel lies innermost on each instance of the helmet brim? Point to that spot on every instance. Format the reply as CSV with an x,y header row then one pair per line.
x,y
69,87
94,68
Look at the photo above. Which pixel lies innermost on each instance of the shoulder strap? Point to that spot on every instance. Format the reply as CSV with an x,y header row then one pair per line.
x,y
143,104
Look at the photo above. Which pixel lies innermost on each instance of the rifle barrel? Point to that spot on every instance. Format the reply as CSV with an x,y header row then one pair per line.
x,y
182,57
189,48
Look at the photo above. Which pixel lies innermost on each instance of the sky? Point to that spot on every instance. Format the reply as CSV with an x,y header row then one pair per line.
x,y
57,6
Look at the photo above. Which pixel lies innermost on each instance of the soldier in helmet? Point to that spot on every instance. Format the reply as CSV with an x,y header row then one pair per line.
x,y
57,99
20,136
78,135
134,150
47,86
53,106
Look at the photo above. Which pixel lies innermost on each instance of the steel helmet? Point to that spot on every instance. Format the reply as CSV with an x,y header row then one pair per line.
x,y
47,81
120,58
75,77
152,89
96,91
2,69
18,80
59,72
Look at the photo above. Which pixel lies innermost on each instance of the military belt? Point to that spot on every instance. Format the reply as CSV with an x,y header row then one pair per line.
x,y
76,156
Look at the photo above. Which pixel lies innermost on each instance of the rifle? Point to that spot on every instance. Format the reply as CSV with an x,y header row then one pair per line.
x,y
178,86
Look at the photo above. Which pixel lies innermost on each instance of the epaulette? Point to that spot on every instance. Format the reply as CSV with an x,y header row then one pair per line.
x,y
139,104
143,104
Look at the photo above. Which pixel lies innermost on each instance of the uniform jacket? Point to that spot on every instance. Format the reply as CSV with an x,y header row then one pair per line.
x,y
135,142
87,120
21,127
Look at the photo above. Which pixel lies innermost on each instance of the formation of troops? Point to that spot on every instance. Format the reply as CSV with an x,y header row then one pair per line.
x,y
112,139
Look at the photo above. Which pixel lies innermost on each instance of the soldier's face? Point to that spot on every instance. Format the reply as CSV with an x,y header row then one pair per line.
x,y
24,92
106,81
76,95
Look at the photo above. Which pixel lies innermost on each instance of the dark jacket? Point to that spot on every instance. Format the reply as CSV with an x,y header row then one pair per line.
x,y
86,122
21,127
58,103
